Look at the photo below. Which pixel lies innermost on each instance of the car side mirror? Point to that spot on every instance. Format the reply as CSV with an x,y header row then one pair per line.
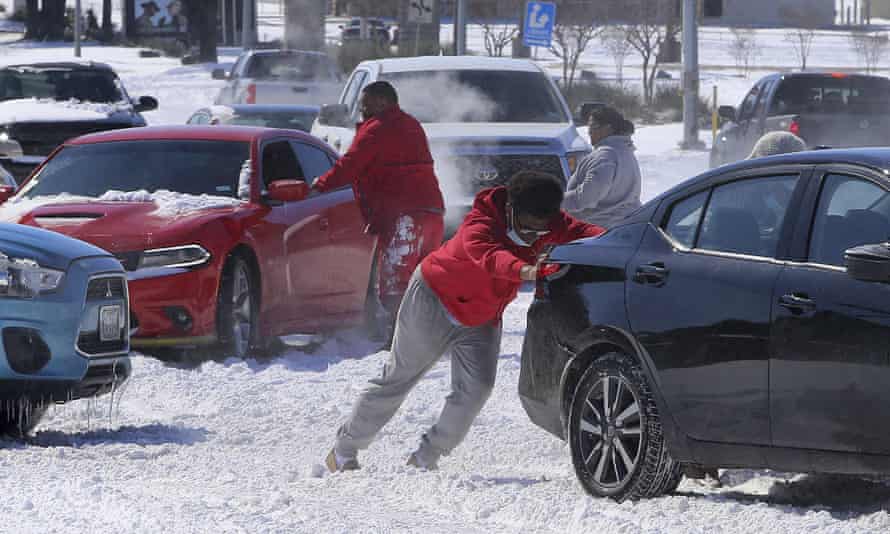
x,y
727,113
288,190
334,115
146,103
869,263
219,74
6,191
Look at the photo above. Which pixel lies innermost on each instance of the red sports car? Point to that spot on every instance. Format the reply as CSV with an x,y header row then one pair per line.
x,y
216,227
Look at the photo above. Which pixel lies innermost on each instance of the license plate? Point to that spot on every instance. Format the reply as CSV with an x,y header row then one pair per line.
x,y
110,323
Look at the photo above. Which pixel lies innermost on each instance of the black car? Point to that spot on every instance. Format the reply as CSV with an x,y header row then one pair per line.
x,y
44,104
377,29
739,320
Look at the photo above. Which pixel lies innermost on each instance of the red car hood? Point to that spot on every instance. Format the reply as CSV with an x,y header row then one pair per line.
x,y
118,226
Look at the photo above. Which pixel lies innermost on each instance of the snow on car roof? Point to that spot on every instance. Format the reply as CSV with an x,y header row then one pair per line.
x,y
453,63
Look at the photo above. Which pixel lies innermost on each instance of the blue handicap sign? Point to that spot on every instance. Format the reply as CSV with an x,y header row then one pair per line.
x,y
539,19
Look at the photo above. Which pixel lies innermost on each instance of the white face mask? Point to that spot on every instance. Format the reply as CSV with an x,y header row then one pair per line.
x,y
514,235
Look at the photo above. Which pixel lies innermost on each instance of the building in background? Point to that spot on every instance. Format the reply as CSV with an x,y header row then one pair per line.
x,y
769,13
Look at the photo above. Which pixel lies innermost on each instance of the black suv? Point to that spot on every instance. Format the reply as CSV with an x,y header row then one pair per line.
x,y
739,320
44,104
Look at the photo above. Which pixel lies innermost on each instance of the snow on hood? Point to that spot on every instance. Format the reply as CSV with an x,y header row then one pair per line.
x,y
45,109
169,203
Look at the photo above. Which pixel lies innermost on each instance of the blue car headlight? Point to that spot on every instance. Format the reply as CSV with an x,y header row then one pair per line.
x,y
25,278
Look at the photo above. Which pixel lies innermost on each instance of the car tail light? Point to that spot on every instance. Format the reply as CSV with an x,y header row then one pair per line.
x,y
794,127
251,94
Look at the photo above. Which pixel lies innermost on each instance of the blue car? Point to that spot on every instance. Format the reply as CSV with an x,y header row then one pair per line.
x,y
64,323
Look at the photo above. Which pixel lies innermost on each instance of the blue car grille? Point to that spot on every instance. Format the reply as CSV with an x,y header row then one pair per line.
x,y
106,288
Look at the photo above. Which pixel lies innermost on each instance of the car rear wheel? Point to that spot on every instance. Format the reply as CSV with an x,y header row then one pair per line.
x,y
237,308
615,435
18,418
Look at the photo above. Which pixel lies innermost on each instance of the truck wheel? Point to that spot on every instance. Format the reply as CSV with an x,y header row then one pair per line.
x,y
615,435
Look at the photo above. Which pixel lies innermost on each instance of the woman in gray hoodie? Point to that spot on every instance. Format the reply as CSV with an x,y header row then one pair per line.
x,y
605,187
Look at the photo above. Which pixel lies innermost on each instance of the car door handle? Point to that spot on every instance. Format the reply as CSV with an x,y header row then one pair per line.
x,y
797,303
323,223
651,274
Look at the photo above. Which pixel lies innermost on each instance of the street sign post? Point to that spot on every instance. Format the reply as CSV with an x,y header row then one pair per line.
x,y
420,11
538,27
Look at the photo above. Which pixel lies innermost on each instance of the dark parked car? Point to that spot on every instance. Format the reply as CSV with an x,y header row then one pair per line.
x,y
825,109
44,104
738,320
268,116
378,31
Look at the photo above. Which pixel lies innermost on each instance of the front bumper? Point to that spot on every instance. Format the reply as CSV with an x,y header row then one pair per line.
x,y
45,351
160,303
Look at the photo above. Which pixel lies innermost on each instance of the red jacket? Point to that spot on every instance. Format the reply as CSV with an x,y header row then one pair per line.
x,y
389,167
476,273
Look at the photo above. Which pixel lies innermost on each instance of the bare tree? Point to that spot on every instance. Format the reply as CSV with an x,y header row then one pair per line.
x,y
743,49
616,43
802,35
569,42
869,47
654,23
497,37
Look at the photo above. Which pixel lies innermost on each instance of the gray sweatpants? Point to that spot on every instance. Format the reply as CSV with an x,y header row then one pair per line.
x,y
424,332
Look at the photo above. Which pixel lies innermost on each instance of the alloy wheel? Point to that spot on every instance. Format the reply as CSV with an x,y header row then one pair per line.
x,y
611,431
241,310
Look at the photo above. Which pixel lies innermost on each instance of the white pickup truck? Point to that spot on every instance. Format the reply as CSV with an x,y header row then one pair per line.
x,y
486,119
279,77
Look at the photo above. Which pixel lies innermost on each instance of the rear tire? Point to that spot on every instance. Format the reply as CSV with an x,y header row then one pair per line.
x,y
615,435
237,309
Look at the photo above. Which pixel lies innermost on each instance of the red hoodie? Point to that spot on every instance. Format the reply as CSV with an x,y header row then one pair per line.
x,y
476,273
389,167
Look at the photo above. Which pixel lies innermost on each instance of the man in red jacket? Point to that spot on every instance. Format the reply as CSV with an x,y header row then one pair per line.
x,y
390,168
454,305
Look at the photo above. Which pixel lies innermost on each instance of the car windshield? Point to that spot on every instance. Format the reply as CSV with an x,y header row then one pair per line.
x,y
291,120
85,85
302,67
832,94
183,166
478,96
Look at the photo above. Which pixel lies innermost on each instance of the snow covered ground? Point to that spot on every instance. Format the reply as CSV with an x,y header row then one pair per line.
x,y
236,446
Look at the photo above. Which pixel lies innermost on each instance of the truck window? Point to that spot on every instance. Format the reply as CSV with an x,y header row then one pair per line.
x,y
832,94
479,96
300,67
350,94
746,110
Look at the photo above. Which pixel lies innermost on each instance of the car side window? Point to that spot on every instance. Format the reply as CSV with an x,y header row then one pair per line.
x,y
350,96
852,212
746,217
746,110
685,217
280,163
236,68
760,107
199,118
314,161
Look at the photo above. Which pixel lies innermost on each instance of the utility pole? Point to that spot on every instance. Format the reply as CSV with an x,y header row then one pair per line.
x,y
77,28
690,76
248,23
460,28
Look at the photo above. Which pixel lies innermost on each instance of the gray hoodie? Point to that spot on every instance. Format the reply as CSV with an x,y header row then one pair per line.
x,y
606,185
